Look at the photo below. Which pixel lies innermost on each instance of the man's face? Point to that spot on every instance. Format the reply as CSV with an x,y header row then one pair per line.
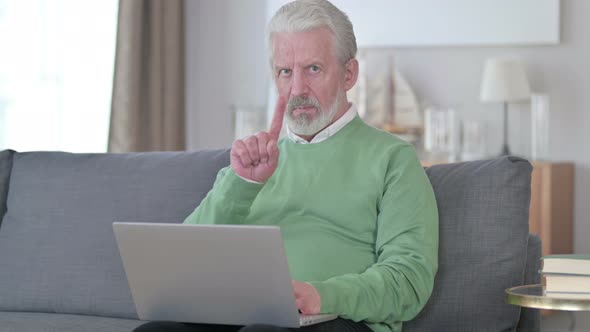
x,y
307,71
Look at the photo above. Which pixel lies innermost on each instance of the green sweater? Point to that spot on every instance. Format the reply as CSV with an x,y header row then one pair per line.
x,y
358,218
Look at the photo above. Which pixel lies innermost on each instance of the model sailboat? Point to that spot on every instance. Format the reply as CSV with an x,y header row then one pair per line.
x,y
406,120
387,101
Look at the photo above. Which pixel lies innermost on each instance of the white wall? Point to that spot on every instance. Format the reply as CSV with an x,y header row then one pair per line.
x,y
450,76
227,65
448,22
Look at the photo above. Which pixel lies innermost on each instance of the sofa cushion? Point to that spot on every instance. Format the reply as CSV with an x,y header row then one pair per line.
x,y
5,168
44,322
57,248
483,216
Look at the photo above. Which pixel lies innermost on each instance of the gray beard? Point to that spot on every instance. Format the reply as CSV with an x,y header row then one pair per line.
x,y
305,125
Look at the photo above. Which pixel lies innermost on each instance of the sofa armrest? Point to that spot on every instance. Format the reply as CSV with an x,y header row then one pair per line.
x,y
5,170
530,319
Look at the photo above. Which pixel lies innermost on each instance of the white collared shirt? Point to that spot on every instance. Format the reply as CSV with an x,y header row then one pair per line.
x,y
328,131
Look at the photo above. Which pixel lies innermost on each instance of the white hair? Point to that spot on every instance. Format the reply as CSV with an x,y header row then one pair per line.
x,y
305,15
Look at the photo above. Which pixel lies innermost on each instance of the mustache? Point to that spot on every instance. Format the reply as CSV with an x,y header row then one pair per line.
x,y
302,101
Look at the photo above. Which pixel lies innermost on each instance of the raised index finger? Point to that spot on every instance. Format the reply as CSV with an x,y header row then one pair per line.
x,y
277,119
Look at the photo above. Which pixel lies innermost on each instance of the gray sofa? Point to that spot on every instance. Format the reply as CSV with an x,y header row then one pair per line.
x,y
60,269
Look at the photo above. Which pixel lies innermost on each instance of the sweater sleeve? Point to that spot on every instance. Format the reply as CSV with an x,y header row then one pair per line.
x,y
399,284
228,202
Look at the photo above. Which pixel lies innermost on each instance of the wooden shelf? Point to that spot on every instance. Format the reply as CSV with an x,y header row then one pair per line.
x,y
552,206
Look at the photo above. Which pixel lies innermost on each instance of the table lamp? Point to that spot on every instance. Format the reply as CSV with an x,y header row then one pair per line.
x,y
504,80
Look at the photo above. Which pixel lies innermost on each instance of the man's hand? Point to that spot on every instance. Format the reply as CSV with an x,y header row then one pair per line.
x,y
307,298
255,158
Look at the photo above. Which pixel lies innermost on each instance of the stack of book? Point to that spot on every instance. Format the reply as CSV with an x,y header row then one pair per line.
x,y
567,275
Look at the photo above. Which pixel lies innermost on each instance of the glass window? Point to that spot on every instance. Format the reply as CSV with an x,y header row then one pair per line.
x,y
56,72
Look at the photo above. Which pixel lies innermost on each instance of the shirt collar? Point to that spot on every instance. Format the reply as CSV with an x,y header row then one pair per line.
x,y
328,131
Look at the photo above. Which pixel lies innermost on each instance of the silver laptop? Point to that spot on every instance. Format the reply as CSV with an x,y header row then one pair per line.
x,y
213,274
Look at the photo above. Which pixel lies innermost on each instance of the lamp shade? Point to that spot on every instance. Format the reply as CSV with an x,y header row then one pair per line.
x,y
504,80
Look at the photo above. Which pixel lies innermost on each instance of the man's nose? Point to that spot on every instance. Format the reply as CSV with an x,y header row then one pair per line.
x,y
299,86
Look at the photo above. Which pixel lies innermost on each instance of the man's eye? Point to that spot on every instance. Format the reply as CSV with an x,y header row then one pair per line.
x,y
314,69
284,72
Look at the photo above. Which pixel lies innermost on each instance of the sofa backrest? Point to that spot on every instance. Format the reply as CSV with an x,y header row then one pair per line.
x,y
483,219
58,253
57,248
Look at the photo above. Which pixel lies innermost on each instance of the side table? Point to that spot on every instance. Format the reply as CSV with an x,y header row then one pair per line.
x,y
534,296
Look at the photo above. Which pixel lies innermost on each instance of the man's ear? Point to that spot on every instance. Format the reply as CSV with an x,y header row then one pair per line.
x,y
351,73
